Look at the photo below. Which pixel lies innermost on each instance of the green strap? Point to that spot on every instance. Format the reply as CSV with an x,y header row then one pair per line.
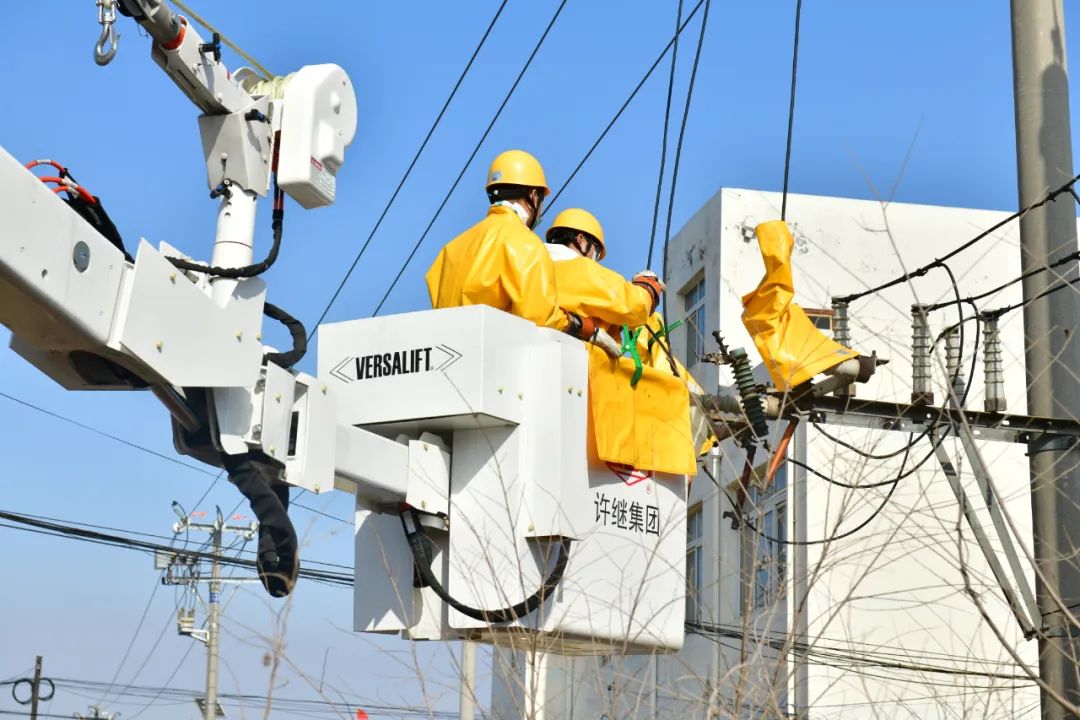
x,y
629,345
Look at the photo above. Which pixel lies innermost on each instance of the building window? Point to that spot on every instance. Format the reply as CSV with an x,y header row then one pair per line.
x,y
694,317
822,319
694,554
764,553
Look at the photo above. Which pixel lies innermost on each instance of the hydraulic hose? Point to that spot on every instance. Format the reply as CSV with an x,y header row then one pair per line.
x,y
296,330
419,544
237,273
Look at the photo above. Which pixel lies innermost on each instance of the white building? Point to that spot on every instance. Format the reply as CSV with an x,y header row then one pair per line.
x,y
871,624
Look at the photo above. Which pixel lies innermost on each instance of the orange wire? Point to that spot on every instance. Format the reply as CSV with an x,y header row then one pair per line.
x,y
781,451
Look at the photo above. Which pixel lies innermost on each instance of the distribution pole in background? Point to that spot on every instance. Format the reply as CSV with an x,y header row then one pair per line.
x,y
467,709
36,688
217,529
213,622
1044,160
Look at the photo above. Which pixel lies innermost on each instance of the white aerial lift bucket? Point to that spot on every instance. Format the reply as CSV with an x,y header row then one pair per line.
x,y
485,417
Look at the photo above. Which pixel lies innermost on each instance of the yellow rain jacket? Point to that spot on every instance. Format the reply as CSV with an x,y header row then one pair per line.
x,y
501,263
793,349
589,289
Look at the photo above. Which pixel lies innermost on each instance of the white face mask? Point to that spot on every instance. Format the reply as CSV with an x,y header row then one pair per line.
x,y
539,215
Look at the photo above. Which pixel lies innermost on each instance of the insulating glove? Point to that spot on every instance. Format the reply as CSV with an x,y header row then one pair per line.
x,y
651,282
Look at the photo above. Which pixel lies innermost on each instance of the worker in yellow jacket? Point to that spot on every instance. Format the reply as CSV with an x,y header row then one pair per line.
x,y
502,263
576,244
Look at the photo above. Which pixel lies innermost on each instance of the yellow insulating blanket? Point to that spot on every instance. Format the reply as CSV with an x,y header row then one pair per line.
x,y
646,427
793,349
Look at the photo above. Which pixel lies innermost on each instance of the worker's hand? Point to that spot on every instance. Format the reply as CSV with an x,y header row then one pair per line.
x,y
585,328
649,280
605,342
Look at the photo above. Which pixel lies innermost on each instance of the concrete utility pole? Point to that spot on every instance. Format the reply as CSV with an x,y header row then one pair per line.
x,y
217,529
1044,162
468,680
213,623
36,688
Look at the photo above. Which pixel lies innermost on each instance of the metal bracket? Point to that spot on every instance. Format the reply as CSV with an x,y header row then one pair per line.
x,y
1050,443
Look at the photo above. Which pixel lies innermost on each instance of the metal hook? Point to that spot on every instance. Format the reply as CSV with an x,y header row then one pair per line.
x,y
109,37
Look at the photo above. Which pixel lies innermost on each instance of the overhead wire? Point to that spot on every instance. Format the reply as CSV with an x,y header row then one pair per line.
x,y
165,685
131,643
626,103
682,129
27,523
287,704
96,431
881,659
155,453
791,109
665,342
664,135
995,290
409,169
741,516
1050,196
472,156
912,440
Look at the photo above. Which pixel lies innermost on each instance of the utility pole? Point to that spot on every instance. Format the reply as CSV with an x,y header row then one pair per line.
x,y
98,714
1044,161
211,637
213,623
467,707
36,688
34,695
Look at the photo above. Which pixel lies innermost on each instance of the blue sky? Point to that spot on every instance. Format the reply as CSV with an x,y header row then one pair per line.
x,y
870,75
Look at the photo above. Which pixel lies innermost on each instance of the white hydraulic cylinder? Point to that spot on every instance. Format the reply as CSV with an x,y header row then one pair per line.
x,y
235,240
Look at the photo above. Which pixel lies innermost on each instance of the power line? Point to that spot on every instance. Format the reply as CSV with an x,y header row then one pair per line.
x,y
682,129
626,104
173,674
791,108
102,433
408,171
664,136
465,167
877,659
156,692
131,643
155,453
101,538
993,291
937,262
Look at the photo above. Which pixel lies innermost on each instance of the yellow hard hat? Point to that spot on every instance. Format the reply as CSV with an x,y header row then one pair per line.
x,y
517,167
582,221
